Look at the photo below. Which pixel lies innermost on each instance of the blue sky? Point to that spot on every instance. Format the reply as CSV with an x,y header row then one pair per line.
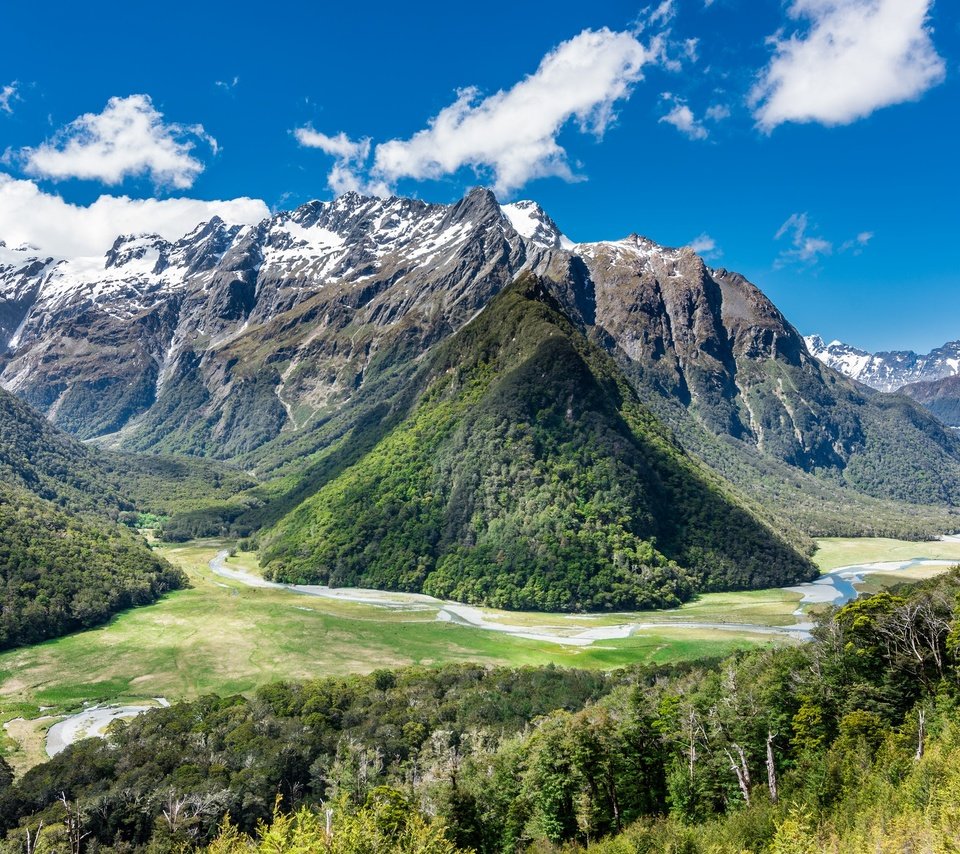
x,y
847,147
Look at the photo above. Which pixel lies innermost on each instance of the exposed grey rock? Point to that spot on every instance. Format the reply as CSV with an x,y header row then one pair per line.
x,y
232,337
887,370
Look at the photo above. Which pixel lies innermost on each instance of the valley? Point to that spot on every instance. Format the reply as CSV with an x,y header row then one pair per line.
x,y
392,456
414,438
230,632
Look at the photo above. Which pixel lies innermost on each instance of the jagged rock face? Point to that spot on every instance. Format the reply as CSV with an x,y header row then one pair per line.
x,y
887,370
219,342
712,340
266,323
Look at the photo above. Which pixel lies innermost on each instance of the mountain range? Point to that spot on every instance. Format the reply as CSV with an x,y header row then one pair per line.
x,y
931,379
459,399
887,370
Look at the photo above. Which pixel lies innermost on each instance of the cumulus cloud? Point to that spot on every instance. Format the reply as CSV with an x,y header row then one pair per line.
x,y
511,135
350,157
682,118
129,138
340,146
856,57
717,113
514,132
30,215
705,246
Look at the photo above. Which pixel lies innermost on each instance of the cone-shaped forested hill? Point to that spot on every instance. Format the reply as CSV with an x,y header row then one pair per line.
x,y
529,475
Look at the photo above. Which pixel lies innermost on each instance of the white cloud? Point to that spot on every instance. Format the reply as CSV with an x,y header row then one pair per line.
x,y
345,177
340,146
45,220
705,246
682,118
717,113
511,134
858,243
227,85
351,156
9,94
856,57
129,138
808,247
664,13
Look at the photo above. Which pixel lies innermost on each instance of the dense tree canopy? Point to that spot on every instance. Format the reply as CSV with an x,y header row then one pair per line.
x,y
61,571
65,561
529,476
846,743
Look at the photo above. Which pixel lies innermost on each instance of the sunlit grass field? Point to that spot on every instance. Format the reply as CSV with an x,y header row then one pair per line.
x,y
834,552
221,636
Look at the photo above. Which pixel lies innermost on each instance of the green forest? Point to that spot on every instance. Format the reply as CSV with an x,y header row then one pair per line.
x,y
68,557
847,743
60,572
529,476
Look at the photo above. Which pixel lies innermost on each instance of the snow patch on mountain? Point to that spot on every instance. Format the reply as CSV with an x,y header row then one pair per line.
x,y
887,370
533,223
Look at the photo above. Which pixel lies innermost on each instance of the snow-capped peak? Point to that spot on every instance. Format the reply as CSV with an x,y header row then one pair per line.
x,y
887,371
533,223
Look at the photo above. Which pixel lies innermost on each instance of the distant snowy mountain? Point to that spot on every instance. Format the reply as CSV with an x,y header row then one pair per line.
x,y
887,371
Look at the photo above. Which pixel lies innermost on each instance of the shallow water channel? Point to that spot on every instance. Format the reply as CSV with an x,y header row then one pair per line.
x,y
835,587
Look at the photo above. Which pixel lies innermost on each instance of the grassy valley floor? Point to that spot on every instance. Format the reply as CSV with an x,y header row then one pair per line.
x,y
834,552
222,636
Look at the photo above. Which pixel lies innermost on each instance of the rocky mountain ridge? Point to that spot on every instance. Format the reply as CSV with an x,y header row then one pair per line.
x,y
887,370
94,343
238,342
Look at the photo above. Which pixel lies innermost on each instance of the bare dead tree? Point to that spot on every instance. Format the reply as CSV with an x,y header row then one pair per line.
x,y
692,735
741,770
74,824
934,626
174,813
32,841
446,749
370,766
771,768
921,734
916,630
692,742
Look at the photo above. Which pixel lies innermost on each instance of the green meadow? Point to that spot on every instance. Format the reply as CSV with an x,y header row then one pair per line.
x,y
834,552
221,636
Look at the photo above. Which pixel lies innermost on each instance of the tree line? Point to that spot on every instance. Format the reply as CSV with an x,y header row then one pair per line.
x,y
848,743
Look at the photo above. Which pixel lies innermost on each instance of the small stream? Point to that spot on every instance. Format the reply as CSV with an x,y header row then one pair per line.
x,y
839,586
92,722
